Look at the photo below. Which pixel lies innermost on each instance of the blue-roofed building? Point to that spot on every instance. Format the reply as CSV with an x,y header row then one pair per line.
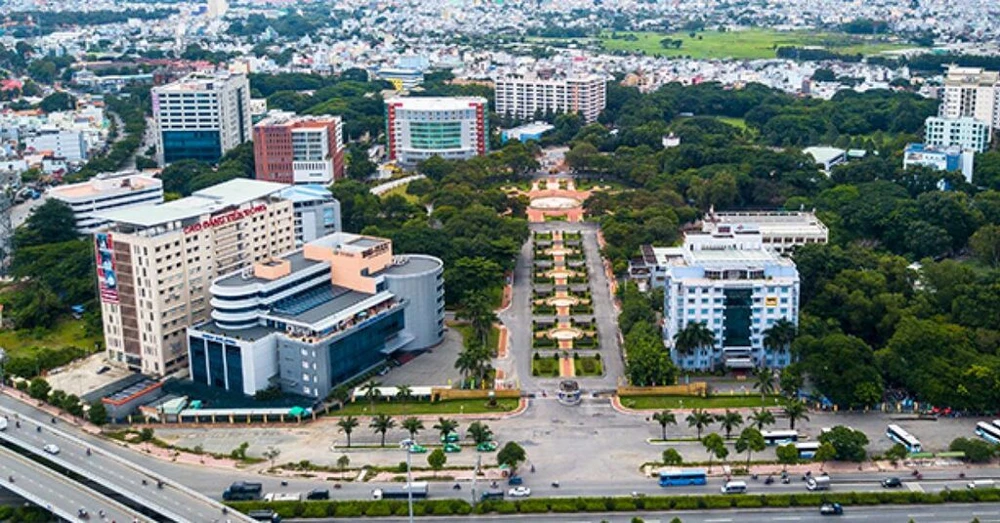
x,y
316,211
532,131
951,159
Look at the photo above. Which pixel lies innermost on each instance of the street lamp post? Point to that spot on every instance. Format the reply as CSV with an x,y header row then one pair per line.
x,y
3,359
409,478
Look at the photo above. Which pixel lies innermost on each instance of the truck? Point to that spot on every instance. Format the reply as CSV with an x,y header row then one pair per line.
x,y
243,491
283,496
419,489
491,494
818,483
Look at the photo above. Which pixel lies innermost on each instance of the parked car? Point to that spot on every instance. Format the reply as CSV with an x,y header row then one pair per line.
x,y
515,480
452,448
487,446
451,437
831,509
417,449
51,449
892,483
318,493
519,492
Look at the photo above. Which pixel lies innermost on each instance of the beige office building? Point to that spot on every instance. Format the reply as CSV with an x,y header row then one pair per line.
x,y
971,92
526,97
155,265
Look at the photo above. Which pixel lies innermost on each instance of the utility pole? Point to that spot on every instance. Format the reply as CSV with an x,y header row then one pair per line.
x,y
475,476
409,479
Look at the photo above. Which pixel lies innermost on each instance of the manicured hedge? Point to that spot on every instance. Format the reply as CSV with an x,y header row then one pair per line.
x,y
448,507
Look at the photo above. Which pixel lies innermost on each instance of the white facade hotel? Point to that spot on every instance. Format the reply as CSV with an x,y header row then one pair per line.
x,y
525,96
738,288
972,92
155,264
454,128
201,116
966,133
106,192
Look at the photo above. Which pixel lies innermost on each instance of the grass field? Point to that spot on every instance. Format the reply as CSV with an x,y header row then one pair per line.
x,y
748,44
398,408
694,402
67,332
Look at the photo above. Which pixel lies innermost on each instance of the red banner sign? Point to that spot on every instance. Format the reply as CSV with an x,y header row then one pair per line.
x,y
224,219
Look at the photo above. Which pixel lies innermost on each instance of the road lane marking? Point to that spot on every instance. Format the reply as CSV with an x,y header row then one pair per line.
x,y
787,518
718,520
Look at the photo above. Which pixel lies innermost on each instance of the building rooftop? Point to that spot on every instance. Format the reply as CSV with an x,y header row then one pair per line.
x,y
824,155
196,82
769,223
306,193
436,103
340,300
244,277
105,184
410,264
277,118
531,128
206,201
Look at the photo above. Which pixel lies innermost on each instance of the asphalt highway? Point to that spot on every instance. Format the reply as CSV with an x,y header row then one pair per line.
x,y
59,494
174,501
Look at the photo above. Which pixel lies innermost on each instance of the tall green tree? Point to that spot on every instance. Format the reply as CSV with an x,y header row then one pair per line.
x,y
50,222
750,441
511,455
699,419
695,335
795,411
729,421
765,381
436,459
445,426
412,426
716,448
761,418
479,432
664,418
380,424
347,425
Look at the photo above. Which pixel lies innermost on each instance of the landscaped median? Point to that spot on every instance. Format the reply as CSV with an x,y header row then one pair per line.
x,y
447,507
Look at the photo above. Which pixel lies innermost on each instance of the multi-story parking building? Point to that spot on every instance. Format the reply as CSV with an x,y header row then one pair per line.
x,y
731,282
201,116
155,264
527,97
312,319
454,128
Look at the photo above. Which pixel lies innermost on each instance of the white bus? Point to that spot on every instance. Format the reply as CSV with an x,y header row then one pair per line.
x,y
897,434
779,437
807,449
989,431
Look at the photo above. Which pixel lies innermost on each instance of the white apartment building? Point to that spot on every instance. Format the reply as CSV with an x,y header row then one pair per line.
x,y
454,128
738,288
525,96
966,133
971,92
68,144
155,264
105,192
781,231
201,116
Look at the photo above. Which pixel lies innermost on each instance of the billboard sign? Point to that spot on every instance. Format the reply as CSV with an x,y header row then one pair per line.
x,y
107,277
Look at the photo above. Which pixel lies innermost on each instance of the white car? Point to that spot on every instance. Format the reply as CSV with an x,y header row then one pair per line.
x,y
519,492
51,449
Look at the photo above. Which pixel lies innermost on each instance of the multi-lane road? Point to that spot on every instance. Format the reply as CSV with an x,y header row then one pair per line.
x,y
59,494
172,500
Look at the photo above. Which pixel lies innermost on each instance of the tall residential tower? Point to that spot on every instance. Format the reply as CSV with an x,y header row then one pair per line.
x,y
201,116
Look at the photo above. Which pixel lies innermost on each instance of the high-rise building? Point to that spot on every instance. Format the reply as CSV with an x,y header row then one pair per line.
x,y
155,264
966,133
738,288
201,116
527,97
298,149
421,127
105,192
217,8
972,92
317,212
312,319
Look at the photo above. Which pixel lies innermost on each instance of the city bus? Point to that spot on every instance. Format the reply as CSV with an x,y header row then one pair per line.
x,y
670,478
897,434
807,449
988,431
779,437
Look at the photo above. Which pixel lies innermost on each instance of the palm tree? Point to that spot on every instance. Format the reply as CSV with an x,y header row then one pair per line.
x,y
446,426
479,432
347,425
699,419
404,393
794,411
762,418
372,392
381,424
765,382
729,421
476,309
413,426
694,335
780,335
340,395
665,418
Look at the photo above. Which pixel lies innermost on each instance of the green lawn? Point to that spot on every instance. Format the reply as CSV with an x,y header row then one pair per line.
x,y
587,366
401,191
400,408
492,341
65,333
748,44
694,402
